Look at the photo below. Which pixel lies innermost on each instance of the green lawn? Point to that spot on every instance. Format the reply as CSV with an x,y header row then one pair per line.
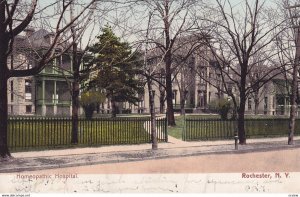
x,y
177,130
204,116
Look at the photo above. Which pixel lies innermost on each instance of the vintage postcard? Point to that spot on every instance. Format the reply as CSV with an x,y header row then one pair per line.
x,y
149,96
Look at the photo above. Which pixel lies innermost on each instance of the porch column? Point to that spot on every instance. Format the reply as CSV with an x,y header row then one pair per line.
x,y
55,99
43,98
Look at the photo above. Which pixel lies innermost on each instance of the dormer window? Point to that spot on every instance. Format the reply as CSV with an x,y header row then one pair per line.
x,y
49,38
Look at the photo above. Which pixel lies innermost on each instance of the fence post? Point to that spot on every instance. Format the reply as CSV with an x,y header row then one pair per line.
x,y
236,137
166,129
9,134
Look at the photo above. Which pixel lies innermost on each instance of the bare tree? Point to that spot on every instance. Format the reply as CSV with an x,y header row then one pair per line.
x,y
172,19
238,35
184,80
288,46
148,73
12,24
77,60
261,67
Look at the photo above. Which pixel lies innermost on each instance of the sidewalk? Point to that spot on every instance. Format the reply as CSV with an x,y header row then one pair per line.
x,y
40,160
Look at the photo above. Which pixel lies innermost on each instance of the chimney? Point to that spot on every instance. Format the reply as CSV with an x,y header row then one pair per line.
x,y
29,31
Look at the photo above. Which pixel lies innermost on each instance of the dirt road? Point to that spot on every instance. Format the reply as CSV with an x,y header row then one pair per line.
x,y
270,161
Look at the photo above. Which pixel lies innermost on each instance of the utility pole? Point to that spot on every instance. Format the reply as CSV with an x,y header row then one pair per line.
x,y
294,106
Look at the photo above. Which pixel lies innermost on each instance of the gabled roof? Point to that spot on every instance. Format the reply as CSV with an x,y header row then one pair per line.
x,y
36,40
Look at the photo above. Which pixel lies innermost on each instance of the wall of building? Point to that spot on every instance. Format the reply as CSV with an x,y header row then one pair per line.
x,y
21,102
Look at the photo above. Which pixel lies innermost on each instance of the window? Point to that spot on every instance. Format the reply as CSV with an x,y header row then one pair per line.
x,y
280,100
11,65
141,103
108,103
27,86
201,80
201,95
28,109
153,93
266,103
174,95
28,90
202,73
249,103
28,96
11,91
29,65
65,62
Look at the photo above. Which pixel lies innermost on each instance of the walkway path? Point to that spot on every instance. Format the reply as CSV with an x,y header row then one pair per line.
x,y
160,133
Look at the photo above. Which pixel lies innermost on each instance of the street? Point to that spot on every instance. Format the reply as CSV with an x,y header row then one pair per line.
x,y
287,160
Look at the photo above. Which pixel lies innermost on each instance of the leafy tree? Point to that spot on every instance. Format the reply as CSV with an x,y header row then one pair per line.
x,y
89,101
222,106
116,67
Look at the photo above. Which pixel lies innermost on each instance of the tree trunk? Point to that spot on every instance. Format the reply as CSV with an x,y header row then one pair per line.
x,y
182,107
256,104
4,40
75,106
182,102
113,108
75,84
170,109
293,109
162,101
256,97
241,119
152,114
234,113
4,151
168,64
75,95
169,91
242,105
241,127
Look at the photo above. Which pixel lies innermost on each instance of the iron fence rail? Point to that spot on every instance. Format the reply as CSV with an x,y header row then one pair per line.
x,y
42,132
217,129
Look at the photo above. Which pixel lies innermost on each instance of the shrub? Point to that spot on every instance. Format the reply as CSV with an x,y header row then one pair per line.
x,y
89,101
126,111
221,106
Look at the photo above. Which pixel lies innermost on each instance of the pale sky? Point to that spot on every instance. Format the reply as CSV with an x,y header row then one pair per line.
x,y
123,18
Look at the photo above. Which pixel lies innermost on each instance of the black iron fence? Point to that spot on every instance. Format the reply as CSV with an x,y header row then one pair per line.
x,y
41,132
215,129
